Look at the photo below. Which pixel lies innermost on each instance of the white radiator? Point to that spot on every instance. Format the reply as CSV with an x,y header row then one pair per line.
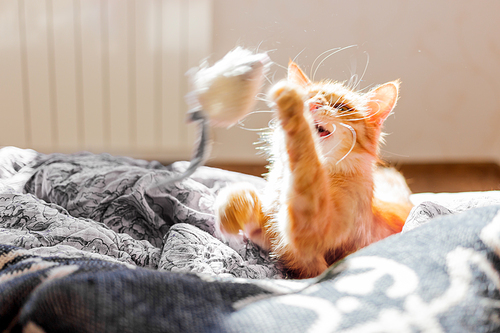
x,y
100,75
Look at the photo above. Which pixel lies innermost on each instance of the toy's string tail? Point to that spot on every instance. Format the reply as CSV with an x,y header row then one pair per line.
x,y
202,150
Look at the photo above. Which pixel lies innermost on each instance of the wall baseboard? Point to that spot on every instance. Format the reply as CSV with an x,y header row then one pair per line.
x,y
423,177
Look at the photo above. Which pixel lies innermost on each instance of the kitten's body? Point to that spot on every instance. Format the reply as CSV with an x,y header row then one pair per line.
x,y
319,203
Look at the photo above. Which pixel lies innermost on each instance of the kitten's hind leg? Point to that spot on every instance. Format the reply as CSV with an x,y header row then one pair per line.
x,y
302,264
238,207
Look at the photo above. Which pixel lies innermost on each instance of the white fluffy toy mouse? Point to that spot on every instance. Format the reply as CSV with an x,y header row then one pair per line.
x,y
222,95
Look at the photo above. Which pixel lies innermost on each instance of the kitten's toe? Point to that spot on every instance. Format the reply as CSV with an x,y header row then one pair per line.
x,y
289,104
236,205
278,90
285,94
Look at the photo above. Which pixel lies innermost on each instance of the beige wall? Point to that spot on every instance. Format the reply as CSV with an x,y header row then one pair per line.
x,y
446,53
108,75
100,75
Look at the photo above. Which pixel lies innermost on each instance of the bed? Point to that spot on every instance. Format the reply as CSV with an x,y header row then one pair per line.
x,y
86,246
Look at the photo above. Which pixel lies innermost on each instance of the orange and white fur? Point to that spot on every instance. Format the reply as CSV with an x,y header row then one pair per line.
x,y
319,203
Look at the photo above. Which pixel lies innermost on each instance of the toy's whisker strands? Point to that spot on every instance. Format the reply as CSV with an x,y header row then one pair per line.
x,y
353,141
328,56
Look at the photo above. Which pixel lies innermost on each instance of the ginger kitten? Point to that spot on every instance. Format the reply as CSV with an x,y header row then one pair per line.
x,y
319,204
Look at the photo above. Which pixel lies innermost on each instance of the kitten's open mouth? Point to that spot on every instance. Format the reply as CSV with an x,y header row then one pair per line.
x,y
323,132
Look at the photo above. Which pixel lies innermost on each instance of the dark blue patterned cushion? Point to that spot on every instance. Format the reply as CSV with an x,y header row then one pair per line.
x,y
89,248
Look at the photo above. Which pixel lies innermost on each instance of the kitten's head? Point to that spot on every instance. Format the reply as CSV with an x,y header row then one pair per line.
x,y
347,123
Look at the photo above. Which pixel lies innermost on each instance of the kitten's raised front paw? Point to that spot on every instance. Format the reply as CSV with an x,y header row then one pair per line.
x,y
289,99
238,207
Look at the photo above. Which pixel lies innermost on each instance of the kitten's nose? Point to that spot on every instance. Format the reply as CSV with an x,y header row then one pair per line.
x,y
313,107
316,103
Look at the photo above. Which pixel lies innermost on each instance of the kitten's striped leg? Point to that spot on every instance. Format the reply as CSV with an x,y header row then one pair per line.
x,y
307,209
238,207
309,197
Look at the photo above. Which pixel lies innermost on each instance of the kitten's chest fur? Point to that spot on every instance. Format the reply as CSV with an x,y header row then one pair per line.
x,y
350,195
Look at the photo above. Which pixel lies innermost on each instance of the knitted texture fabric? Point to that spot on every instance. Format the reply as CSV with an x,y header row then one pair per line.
x,y
86,246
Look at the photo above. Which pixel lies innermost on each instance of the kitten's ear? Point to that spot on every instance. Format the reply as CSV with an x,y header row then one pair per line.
x,y
382,101
296,75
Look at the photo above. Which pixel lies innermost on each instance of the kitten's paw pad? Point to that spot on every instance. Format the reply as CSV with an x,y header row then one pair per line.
x,y
288,98
237,208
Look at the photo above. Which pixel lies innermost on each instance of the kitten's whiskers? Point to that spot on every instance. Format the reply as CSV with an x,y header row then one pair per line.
x,y
328,56
364,71
354,137
262,97
314,62
241,123
298,54
352,81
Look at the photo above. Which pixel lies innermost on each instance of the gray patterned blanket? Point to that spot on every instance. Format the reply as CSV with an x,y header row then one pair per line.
x,y
87,246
